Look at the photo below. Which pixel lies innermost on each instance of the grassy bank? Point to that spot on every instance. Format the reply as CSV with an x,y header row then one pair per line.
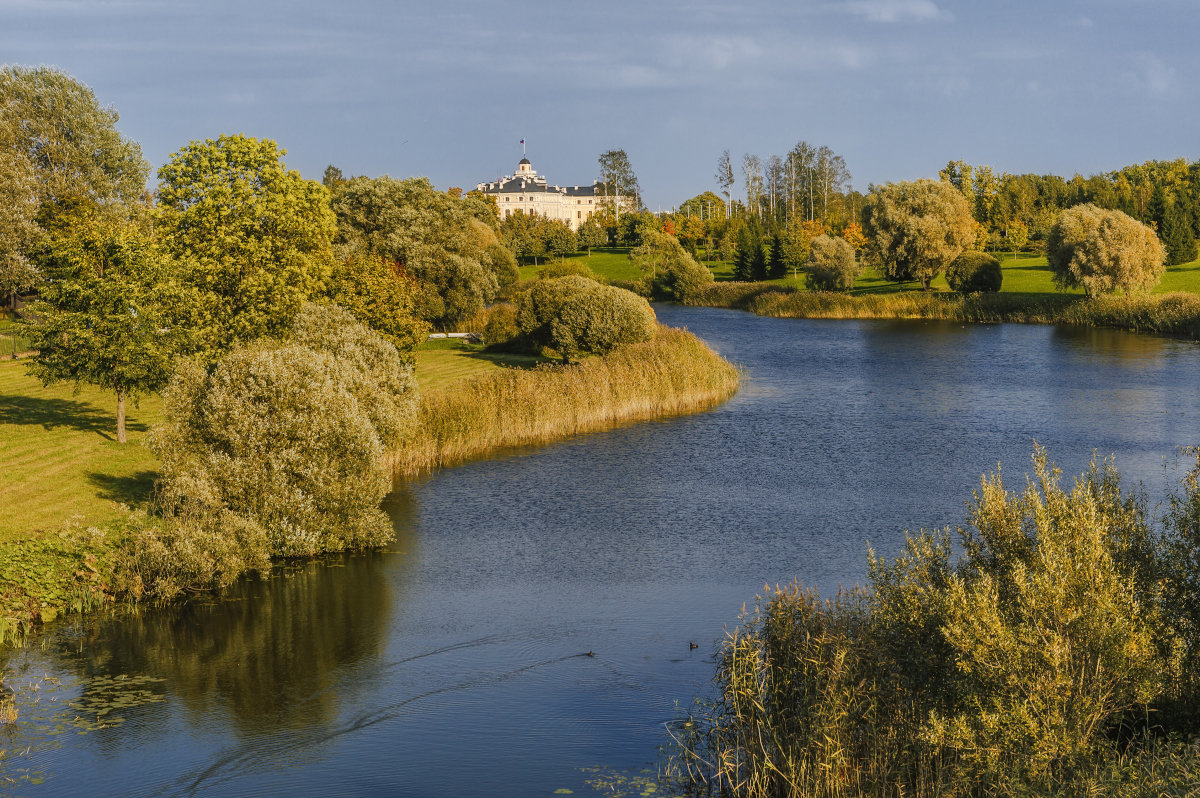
x,y
1175,314
64,479
673,374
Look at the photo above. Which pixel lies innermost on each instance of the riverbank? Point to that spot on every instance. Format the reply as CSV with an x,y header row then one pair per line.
x,y
1176,314
67,486
673,374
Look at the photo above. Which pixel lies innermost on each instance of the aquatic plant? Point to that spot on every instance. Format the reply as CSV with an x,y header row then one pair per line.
x,y
671,374
1047,654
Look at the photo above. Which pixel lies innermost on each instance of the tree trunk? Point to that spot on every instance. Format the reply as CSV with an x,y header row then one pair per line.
x,y
120,415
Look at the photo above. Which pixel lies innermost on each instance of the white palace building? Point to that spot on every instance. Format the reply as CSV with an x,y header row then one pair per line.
x,y
527,191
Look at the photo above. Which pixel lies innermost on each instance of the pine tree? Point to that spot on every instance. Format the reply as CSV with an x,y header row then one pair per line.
x,y
1177,237
741,262
776,265
758,261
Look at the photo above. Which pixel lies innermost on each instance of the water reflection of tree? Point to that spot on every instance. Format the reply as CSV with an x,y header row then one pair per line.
x,y
271,654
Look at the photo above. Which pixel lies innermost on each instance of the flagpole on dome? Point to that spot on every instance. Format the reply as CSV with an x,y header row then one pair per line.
x,y
523,155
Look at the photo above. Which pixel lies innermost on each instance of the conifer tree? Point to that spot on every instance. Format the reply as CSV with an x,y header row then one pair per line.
x,y
776,263
1176,234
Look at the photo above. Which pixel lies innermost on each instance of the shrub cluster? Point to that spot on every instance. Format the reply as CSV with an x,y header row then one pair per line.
x,y
831,264
1058,639
575,315
670,271
277,448
1103,250
974,272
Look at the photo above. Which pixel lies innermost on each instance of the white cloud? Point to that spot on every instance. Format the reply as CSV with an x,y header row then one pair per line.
x,y
1151,75
896,10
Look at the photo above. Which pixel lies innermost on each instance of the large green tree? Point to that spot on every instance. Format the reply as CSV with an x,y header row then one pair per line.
x,y
18,225
915,229
103,316
442,241
1102,251
253,237
618,183
72,142
60,152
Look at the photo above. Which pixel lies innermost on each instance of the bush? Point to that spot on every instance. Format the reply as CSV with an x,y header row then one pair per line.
x,y
280,446
598,321
831,264
1027,665
974,272
500,329
670,272
567,268
1102,251
574,315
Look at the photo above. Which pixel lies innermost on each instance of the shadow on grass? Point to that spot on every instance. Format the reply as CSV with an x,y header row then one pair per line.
x,y
509,359
134,489
60,413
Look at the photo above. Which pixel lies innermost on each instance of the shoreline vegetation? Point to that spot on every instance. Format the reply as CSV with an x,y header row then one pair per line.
x,y
673,374
68,561
1174,314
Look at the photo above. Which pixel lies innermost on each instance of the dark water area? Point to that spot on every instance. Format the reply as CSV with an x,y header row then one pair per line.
x,y
456,663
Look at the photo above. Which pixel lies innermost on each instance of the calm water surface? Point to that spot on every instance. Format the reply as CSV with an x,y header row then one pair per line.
x,y
456,663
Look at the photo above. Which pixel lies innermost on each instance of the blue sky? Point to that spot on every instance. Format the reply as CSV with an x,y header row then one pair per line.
x,y
448,89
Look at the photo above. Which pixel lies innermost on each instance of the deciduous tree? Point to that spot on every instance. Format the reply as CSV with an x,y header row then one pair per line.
x,y
251,236
915,229
70,140
618,182
104,315
440,240
831,264
1102,251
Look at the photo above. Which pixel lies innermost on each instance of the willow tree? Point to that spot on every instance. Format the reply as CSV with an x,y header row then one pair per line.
x,y
60,154
915,229
1102,251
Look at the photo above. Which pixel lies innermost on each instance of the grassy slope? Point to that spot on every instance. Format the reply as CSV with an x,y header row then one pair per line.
x,y
59,458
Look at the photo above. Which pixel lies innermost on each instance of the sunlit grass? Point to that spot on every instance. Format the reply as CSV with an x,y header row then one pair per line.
x,y
59,457
674,373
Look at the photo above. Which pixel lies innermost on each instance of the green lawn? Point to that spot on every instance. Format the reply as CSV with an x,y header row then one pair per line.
x,y
59,457
446,361
1026,274
611,263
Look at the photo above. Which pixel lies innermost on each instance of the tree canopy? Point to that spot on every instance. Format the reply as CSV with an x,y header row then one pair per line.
x,y
618,182
103,316
60,153
1102,251
70,140
442,241
253,238
916,228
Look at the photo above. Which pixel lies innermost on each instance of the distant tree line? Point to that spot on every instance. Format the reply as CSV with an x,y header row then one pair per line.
x,y
1019,210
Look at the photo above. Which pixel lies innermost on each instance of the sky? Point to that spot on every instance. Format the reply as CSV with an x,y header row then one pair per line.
x,y
447,90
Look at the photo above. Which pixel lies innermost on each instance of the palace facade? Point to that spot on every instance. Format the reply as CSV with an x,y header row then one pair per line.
x,y
526,190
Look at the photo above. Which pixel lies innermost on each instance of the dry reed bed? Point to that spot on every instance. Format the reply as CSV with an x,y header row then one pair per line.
x,y
673,374
1175,314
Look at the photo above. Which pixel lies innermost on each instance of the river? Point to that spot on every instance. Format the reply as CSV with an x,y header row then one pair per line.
x,y
531,629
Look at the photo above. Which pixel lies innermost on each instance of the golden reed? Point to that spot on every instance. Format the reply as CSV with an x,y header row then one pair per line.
x,y
673,374
1175,314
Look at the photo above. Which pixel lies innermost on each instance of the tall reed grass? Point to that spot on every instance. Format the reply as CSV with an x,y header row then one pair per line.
x,y
672,374
1175,314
